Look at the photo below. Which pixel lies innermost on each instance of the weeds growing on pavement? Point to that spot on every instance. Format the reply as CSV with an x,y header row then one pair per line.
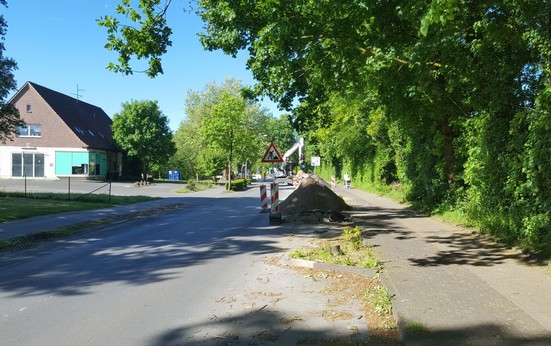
x,y
351,251
380,300
375,298
353,236
416,327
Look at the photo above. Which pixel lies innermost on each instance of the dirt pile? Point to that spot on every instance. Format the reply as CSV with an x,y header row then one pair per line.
x,y
313,201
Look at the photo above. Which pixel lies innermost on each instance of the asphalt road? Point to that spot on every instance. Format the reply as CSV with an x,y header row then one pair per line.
x,y
194,275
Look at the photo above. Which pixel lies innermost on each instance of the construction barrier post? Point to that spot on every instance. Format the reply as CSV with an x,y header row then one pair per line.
x,y
275,197
263,198
275,216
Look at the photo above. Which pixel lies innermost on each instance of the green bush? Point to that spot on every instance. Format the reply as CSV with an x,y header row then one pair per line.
x,y
237,185
191,185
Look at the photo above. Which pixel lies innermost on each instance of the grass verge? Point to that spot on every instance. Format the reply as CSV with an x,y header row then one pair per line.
x,y
15,206
31,240
194,186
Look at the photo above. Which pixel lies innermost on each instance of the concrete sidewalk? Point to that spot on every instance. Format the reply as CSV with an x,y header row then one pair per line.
x,y
450,286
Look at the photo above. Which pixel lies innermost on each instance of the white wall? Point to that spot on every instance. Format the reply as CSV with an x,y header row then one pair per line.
x,y
49,159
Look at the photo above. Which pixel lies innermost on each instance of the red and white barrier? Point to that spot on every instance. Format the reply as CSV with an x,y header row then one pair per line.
x,y
333,181
274,190
263,197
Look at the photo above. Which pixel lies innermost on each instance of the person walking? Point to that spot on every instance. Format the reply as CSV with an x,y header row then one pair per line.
x,y
346,180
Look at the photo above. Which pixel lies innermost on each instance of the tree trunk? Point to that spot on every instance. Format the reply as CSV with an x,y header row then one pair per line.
x,y
449,150
229,161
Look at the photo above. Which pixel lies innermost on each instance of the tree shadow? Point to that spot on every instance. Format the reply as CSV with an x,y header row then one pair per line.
x,y
141,250
378,221
470,249
482,335
462,247
265,327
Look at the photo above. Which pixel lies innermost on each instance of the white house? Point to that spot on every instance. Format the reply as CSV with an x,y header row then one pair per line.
x,y
63,137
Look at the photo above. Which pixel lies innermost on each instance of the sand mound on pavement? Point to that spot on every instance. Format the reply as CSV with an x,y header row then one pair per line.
x,y
313,201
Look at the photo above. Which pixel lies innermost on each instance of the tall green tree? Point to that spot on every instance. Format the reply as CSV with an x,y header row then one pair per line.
x,y
142,131
9,115
280,131
454,95
198,152
226,127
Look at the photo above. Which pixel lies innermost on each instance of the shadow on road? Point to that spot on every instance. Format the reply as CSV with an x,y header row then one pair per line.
x,y
153,246
263,326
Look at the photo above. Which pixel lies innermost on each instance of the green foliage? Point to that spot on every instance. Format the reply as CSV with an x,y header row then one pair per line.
x,y
149,40
446,101
416,327
142,131
202,139
17,205
381,300
9,115
353,236
194,186
321,254
236,185
191,185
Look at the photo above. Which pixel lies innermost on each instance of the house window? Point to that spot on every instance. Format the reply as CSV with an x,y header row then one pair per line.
x,y
29,108
29,165
34,130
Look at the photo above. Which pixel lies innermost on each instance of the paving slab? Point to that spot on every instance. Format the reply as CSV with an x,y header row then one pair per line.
x,y
451,286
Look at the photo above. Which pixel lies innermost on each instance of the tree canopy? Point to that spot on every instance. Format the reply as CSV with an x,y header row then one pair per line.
x,y
220,122
9,115
450,100
142,131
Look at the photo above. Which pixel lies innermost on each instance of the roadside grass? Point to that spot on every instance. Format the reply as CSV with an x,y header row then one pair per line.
x,y
194,186
15,206
31,240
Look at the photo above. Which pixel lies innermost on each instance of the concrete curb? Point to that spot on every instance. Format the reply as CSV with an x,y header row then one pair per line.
x,y
324,266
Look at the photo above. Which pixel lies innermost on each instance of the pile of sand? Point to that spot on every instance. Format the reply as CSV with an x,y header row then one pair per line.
x,y
313,197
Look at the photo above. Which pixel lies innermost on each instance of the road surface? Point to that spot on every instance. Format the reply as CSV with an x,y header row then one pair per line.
x,y
194,275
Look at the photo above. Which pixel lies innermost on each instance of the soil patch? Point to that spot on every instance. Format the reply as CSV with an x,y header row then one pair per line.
x,y
313,201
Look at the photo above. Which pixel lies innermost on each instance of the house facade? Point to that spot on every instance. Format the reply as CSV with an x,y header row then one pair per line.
x,y
62,137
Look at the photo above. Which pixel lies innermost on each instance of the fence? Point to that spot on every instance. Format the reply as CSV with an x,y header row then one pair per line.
x,y
80,191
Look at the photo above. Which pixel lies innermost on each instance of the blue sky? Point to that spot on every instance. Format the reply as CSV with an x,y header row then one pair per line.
x,y
59,45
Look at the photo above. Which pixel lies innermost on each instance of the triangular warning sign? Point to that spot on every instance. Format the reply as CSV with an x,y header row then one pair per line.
x,y
272,155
